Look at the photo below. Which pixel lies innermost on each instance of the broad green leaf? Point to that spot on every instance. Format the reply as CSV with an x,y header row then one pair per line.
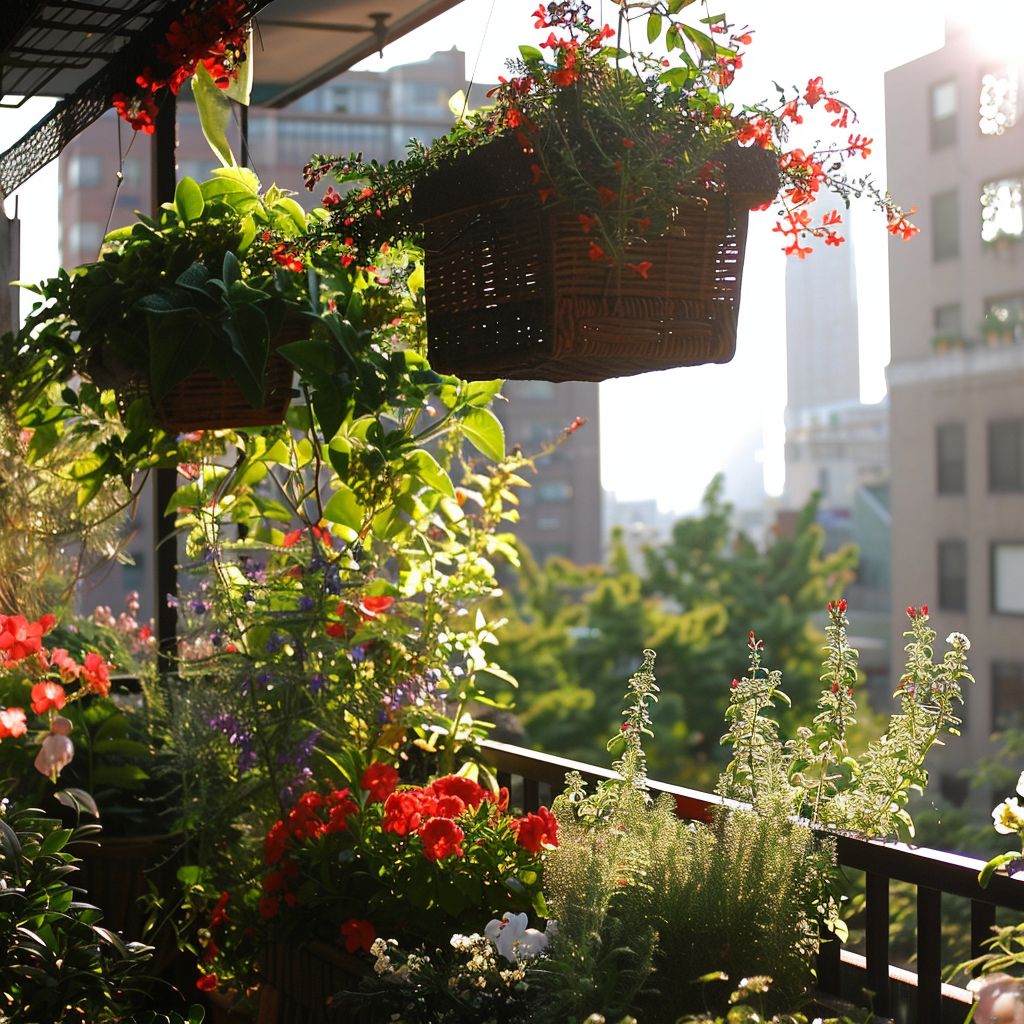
x,y
214,110
484,432
188,200
653,26
344,509
531,54
423,465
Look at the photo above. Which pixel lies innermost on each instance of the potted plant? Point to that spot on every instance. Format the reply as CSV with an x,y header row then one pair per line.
x,y
591,223
185,312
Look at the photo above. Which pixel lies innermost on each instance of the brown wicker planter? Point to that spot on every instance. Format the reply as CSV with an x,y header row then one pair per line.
x,y
511,292
301,983
204,401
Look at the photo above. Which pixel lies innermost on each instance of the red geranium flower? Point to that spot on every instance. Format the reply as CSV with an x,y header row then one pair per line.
x,y
220,911
469,792
19,638
96,673
380,780
270,907
46,696
359,935
403,812
12,723
536,831
441,838
372,606
206,982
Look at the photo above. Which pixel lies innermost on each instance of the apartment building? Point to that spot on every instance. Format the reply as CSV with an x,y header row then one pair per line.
x,y
955,138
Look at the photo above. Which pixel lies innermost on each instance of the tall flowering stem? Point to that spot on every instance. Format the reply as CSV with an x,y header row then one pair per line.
x,y
754,771
643,690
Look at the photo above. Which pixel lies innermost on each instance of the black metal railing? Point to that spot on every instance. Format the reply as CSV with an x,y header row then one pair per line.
x,y
910,997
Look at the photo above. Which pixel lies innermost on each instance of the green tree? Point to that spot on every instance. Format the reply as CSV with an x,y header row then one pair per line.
x,y
574,633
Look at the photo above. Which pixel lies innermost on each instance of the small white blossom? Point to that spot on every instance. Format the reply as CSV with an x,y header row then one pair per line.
x,y
1008,817
958,640
1020,784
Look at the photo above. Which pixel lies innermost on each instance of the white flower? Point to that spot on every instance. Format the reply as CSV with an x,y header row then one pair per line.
x,y
513,939
1008,817
1020,784
958,639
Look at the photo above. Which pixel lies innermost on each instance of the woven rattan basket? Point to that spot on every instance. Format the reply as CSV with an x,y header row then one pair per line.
x,y
204,401
511,292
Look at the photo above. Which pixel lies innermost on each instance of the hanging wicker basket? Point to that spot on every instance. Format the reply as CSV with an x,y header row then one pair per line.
x,y
511,292
204,401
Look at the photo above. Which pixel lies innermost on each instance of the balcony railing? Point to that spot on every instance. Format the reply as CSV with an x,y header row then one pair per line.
x,y
906,996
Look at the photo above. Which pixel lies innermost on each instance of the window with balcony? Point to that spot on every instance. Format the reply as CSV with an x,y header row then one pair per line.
x,y
1006,456
555,490
1008,577
997,101
953,575
1007,695
86,171
949,328
1004,320
943,114
951,458
1002,211
945,226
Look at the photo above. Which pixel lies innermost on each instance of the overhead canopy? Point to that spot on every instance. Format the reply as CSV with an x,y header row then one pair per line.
x,y
82,51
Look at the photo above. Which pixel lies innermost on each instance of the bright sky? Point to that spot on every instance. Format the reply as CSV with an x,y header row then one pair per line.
x,y
663,435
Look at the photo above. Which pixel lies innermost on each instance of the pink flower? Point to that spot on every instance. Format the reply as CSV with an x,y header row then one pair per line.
x,y
55,754
12,722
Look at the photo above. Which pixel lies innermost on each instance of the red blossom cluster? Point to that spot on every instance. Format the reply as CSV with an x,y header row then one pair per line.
x,y
368,608
21,643
208,982
213,36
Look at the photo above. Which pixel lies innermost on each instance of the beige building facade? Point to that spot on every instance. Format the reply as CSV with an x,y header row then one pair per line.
x,y
955,137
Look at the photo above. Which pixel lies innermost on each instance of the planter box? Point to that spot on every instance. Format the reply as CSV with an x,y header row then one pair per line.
x,y
511,291
301,983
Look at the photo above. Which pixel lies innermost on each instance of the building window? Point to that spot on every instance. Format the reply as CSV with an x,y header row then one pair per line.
x,y
943,114
997,102
953,575
541,390
85,237
1004,319
548,522
951,458
945,226
949,328
1002,213
1008,577
1007,695
85,171
362,100
554,490
1006,456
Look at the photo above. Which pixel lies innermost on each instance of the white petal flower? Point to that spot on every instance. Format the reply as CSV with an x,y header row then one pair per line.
x,y
1020,784
955,639
1008,817
513,939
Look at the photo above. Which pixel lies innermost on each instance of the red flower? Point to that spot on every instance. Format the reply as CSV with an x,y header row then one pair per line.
x,y
138,111
815,91
734,685
65,664
860,144
46,696
287,259
380,780
359,935
335,629
441,838
448,807
291,539
791,111
643,268
270,907
12,723
372,606
220,911
595,252
19,638
206,982
469,792
341,807
604,33
606,195
544,194
534,832
96,673
402,812
276,843
541,15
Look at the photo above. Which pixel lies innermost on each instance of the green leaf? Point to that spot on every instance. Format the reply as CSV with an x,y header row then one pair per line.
x,y
653,26
531,55
344,510
484,432
214,114
423,465
188,200
78,800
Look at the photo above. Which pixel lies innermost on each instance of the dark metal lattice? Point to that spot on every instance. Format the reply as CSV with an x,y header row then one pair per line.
x,y
44,50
